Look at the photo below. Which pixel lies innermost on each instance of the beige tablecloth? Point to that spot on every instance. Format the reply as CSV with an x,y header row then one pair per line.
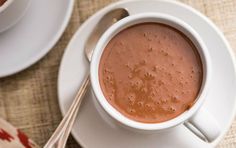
x,y
29,99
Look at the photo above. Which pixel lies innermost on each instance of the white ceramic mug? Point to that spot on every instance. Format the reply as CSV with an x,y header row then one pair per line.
x,y
11,12
194,118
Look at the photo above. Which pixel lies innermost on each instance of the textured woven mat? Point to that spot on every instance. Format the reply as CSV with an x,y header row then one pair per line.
x,y
29,99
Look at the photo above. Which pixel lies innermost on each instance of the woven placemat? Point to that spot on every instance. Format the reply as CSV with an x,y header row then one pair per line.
x,y
29,99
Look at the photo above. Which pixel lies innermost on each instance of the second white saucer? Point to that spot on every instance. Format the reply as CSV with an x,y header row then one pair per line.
x,y
34,35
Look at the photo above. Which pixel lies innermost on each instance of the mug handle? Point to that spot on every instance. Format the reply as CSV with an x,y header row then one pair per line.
x,y
204,125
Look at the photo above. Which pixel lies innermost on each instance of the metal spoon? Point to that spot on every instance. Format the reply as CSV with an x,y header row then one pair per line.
x,y
60,136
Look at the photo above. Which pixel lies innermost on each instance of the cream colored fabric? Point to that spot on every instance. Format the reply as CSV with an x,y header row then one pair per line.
x,y
11,137
29,99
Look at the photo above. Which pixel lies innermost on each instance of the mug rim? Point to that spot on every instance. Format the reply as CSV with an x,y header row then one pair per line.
x,y
114,30
5,5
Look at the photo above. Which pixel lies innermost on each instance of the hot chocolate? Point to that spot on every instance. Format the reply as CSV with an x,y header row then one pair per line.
x,y
150,72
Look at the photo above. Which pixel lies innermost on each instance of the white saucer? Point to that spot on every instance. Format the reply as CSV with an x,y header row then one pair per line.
x,y
34,35
91,131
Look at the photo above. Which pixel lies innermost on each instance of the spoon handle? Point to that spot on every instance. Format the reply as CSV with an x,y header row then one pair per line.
x,y
59,137
64,137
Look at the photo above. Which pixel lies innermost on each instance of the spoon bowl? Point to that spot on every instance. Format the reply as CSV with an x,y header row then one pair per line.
x,y
106,21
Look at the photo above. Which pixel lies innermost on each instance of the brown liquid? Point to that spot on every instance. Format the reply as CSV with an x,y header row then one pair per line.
x,y
150,72
2,2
